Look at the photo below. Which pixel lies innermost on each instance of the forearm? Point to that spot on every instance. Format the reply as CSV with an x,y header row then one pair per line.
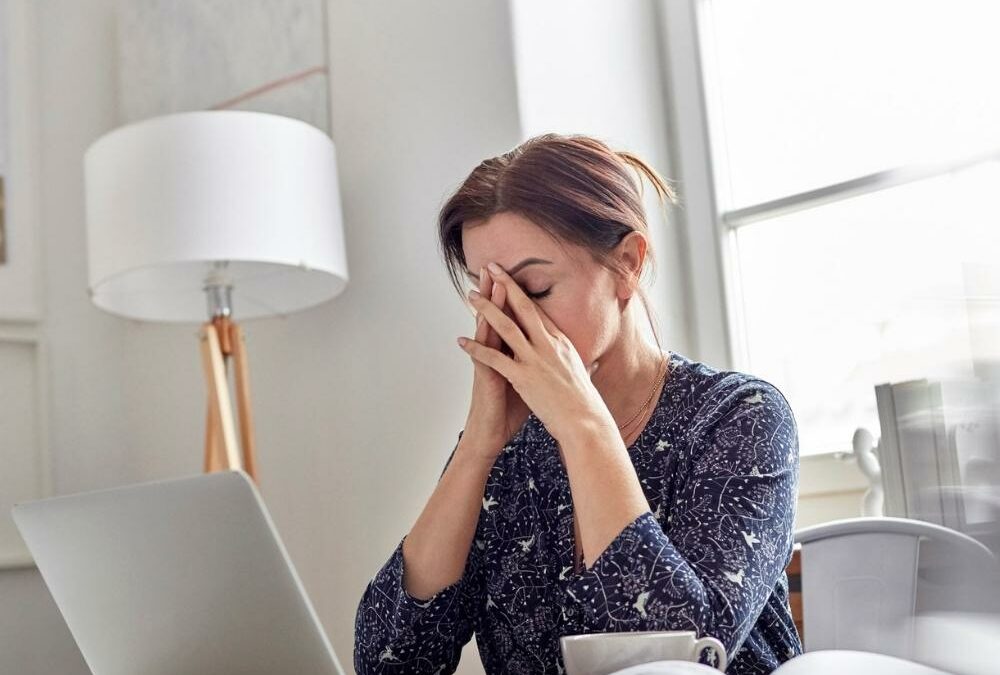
x,y
606,492
437,547
715,563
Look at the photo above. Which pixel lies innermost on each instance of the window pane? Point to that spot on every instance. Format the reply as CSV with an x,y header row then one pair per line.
x,y
898,284
813,93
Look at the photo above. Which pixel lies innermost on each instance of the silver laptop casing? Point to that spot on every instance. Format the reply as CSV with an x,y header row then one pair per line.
x,y
183,576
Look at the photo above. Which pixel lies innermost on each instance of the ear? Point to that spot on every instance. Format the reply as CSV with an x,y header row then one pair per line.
x,y
631,253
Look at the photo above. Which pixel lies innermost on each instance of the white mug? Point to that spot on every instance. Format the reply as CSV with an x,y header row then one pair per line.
x,y
603,653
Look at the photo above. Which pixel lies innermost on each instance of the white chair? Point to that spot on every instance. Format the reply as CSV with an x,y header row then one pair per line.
x,y
859,580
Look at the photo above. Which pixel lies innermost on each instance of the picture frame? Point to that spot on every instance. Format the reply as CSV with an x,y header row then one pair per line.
x,y
254,55
20,287
25,463
24,451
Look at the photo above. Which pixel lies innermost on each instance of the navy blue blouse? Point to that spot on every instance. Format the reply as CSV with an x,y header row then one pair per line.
x,y
718,462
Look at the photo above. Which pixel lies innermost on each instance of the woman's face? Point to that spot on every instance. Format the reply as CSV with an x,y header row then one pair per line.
x,y
578,294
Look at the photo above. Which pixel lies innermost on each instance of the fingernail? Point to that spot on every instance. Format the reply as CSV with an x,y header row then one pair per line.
x,y
494,268
473,293
460,341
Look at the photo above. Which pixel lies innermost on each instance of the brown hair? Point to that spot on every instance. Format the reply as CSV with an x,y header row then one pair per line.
x,y
574,187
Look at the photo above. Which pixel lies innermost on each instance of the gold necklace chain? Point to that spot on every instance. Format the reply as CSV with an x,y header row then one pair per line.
x,y
650,398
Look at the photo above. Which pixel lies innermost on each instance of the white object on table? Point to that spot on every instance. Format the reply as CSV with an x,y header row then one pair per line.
x,y
841,661
603,653
963,642
667,668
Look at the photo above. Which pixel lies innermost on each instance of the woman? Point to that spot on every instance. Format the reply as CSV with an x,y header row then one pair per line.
x,y
600,484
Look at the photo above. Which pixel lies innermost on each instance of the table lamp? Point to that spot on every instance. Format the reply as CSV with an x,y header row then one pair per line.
x,y
197,216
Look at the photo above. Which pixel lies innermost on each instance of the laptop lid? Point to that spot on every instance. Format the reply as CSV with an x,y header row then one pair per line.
x,y
186,575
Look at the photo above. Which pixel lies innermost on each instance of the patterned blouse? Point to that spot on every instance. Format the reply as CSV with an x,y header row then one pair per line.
x,y
718,462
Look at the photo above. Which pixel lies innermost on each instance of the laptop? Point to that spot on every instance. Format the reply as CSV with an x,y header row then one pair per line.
x,y
185,576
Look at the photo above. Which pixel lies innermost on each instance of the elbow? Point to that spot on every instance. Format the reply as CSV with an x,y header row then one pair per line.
x,y
364,664
371,649
369,642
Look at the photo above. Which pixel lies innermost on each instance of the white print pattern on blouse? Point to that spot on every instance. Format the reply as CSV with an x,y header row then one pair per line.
x,y
718,464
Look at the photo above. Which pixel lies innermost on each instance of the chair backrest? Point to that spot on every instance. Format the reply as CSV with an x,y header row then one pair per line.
x,y
794,574
859,581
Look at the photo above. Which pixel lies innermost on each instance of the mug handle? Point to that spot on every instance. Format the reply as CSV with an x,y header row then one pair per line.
x,y
716,647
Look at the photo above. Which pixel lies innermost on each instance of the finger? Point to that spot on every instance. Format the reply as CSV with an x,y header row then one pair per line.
x,y
482,326
505,326
501,297
485,283
504,365
500,300
497,298
549,324
481,287
525,309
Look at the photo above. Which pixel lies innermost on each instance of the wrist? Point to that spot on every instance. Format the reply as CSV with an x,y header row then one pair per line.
x,y
587,430
476,455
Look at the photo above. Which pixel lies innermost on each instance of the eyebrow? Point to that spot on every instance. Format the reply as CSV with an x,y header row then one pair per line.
x,y
516,268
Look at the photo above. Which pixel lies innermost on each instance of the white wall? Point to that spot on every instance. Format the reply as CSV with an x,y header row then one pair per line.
x,y
594,67
87,430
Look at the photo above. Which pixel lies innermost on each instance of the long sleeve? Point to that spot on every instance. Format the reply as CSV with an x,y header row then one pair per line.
x,y
728,535
395,632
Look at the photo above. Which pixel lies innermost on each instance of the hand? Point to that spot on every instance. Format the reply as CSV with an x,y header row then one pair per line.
x,y
496,412
546,371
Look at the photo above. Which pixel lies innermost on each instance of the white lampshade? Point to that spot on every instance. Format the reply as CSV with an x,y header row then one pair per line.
x,y
250,197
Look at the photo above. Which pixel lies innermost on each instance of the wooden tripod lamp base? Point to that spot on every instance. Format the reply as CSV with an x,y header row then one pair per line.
x,y
222,341
206,223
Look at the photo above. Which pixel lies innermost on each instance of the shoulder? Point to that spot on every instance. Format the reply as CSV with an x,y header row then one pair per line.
x,y
737,410
714,392
740,393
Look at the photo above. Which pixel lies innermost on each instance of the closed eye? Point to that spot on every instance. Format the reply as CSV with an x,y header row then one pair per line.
x,y
542,294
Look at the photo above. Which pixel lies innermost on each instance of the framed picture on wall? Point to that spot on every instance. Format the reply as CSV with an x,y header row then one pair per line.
x,y
24,458
26,473
259,55
20,299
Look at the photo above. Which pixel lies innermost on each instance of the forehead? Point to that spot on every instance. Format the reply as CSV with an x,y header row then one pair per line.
x,y
508,238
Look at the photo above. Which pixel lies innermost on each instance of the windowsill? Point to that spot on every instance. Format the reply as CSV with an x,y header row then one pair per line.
x,y
830,473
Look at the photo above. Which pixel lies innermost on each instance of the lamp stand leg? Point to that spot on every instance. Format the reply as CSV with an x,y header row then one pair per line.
x,y
220,411
213,457
241,375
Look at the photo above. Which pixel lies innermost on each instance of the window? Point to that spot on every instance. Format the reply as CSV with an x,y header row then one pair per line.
x,y
854,165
